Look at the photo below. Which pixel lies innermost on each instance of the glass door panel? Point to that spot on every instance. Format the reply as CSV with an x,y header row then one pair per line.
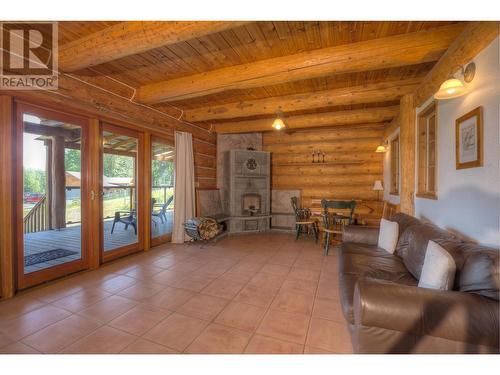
x,y
120,205
50,183
162,190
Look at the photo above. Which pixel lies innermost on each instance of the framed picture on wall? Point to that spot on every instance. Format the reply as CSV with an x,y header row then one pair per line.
x,y
469,139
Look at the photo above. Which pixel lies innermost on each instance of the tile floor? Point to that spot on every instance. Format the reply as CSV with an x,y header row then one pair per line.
x,y
264,293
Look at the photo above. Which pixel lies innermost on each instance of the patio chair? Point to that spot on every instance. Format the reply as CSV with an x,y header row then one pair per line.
x,y
128,218
162,212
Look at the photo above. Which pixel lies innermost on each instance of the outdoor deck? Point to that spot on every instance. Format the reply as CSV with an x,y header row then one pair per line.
x,y
69,239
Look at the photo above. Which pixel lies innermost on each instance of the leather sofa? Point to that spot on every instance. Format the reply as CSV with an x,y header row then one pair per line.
x,y
388,313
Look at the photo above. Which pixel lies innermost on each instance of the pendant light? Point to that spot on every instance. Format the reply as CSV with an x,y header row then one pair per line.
x,y
278,122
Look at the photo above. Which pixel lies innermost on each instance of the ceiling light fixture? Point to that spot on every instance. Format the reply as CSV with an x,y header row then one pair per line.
x,y
454,87
278,122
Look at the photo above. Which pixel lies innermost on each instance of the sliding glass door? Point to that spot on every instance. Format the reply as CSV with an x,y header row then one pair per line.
x,y
121,191
51,180
162,190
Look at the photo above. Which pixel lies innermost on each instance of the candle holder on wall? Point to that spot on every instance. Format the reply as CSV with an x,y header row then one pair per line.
x,y
318,156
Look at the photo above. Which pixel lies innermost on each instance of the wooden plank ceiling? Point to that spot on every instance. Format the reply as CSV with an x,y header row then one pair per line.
x,y
232,77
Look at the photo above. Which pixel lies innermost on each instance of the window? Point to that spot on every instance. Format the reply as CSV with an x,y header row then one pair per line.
x,y
394,154
426,162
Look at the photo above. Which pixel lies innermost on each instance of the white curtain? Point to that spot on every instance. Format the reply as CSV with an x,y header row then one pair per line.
x,y
184,204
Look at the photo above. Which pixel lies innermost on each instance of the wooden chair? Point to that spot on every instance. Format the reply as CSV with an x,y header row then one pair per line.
x,y
336,214
129,218
162,212
303,220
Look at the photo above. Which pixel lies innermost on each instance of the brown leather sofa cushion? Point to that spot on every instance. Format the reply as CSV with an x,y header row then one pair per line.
x,y
478,267
404,221
412,245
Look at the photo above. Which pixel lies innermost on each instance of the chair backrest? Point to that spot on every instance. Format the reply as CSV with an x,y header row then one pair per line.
x,y
389,210
169,200
301,214
347,206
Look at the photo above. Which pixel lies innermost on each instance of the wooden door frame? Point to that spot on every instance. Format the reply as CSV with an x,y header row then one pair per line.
x,y
157,138
107,256
37,277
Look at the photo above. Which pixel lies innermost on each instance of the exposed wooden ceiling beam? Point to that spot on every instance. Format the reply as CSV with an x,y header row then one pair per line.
x,y
47,130
474,38
394,51
316,120
132,37
371,93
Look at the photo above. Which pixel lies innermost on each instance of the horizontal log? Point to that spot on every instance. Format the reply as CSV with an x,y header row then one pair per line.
x,y
321,135
204,148
472,40
340,194
279,160
360,116
375,167
348,145
132,37
205,172
393,51
204,160
371,93
206,183
289,181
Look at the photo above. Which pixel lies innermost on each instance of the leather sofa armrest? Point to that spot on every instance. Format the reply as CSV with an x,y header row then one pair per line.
x,y
451,315
360,234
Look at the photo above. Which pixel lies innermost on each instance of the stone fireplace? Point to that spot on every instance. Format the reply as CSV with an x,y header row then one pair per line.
x,y
247,188
250,204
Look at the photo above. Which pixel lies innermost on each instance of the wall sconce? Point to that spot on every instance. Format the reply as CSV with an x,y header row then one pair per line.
x,y
384,147
278,123
454,87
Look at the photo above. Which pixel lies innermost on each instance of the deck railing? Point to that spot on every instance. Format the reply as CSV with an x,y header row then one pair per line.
x,y
37,220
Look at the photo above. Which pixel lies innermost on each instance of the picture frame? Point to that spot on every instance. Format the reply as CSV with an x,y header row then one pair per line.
x,y
469,139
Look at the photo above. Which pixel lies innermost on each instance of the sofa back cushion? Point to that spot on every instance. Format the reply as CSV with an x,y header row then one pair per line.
x,y
404,221
478,267
412,245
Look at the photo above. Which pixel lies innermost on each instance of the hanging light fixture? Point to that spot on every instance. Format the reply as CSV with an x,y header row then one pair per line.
x,y
278,122
454,87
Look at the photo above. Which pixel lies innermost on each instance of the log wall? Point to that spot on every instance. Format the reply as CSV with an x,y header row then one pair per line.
x,y
351,164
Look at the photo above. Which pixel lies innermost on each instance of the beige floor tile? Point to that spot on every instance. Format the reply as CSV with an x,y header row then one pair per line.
x,y
165,262
31,322
311,350
19,305
330,291
139,319
275,269
108,308
300,286
116,283
186,267
170,298
18,348
223,289
285,326
167,277
304,273
194,283
237,277
218,339
203,306
81,300
141,290
328,309
268,345
256,296
241,316
267,280
329,335
5,340
59,335
293,302
144,272
142,346
246,267
177,331
105,340
58,290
